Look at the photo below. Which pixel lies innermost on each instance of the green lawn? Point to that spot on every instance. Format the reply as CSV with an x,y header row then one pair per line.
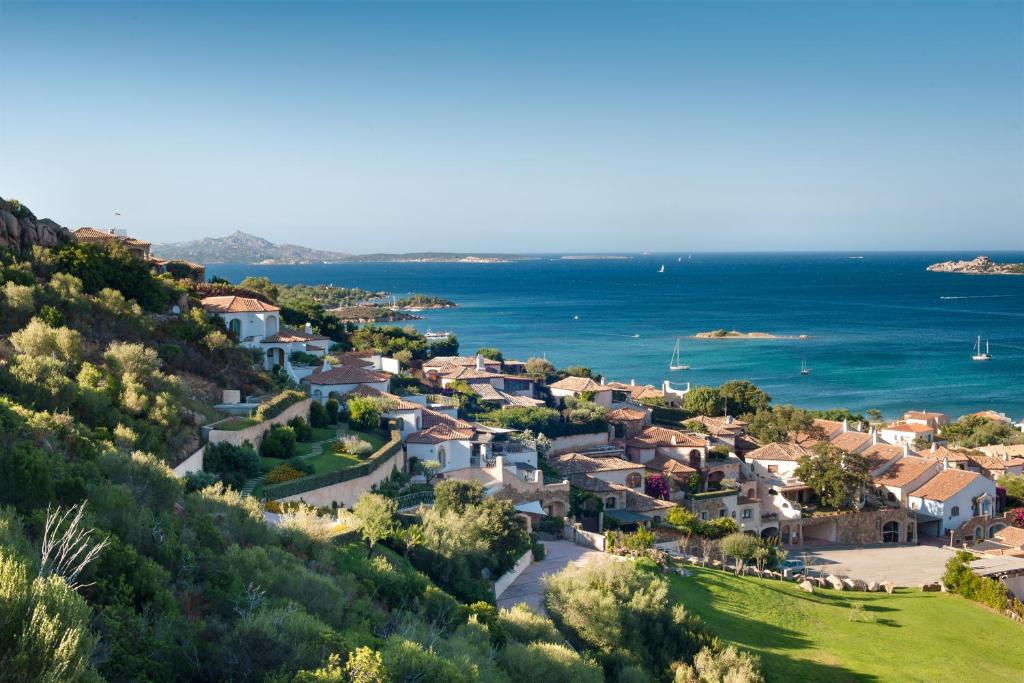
x,y
327,460
907,636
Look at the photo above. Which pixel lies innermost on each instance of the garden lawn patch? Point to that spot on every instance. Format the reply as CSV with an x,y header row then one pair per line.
x,y
907,636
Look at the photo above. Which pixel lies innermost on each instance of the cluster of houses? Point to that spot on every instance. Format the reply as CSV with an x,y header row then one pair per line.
x,y
918,484
140,249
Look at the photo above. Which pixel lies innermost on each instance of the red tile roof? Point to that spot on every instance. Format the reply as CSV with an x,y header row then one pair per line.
x,y
904,471
651,437
946,484
626,415
439,433
345,374
236,304
789,452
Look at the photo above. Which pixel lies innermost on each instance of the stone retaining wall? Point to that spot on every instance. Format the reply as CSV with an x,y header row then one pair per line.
x,y
346,493
254,434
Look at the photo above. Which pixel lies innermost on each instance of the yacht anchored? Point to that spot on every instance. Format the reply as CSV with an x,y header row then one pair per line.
x,y
804,370
661,270
436,335
674,363
978,355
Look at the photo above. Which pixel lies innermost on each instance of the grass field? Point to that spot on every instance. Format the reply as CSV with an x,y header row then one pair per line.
x,y
907,636
326,460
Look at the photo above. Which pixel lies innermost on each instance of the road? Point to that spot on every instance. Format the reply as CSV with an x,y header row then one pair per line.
x,y
528,587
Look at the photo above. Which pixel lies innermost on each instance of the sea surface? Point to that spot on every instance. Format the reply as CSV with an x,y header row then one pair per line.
x,y
883,332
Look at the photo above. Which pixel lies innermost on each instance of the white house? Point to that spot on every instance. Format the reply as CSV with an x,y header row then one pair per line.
x,y
407,414
926,418
329,381
579,386
905,475
248,320
908,432
952,497
770,474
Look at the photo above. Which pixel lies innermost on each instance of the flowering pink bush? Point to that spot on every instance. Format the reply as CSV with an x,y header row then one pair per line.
x,y
1016,517
656,487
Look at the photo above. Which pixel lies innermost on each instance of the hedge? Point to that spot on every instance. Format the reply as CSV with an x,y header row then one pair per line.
x,y
666,414
317,481
278,404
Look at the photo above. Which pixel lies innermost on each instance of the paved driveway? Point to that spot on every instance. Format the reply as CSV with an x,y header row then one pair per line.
x,y
902,564
528,587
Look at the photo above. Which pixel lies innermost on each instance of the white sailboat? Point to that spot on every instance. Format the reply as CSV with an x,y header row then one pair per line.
x,y
804,370
978,355
661,270
674,363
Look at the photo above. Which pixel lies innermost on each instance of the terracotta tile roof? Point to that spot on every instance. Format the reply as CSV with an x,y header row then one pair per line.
x,y
922,415
345,374
880,453
641,502
287,335
990,462
487,392
626,415
904,471
463,361
1011,535
589,483
392,401
465,373
943,453
439,433
945,485
851,441
578,384
236,304
660,436
717,426
434,417
92,235
992,415
670,466
789,452
568,464
521,401
354,359
912,428
999,450
649,392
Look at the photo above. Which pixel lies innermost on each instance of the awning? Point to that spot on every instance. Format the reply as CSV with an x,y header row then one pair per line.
x,y
625,516
531,508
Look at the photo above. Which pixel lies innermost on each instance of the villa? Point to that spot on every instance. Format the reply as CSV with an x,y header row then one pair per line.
x,y
906,474
600,394
137,248
329,381
908,432
950,498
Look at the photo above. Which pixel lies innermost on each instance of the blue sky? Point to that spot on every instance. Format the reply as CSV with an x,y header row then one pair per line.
x,y
525,126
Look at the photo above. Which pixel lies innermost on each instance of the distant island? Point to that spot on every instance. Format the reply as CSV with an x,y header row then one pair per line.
x,y
241,247
736,334
594,257
981,265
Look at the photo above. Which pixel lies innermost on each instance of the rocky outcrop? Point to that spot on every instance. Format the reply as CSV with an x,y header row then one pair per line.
x,y
888,586
835,582
806,586
20,230
981,265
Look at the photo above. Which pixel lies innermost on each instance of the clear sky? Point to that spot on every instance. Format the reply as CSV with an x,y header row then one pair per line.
x,y
522,127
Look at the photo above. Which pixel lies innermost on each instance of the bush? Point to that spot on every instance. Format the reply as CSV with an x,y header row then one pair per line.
x,y
278,404
960,578
547,662
283,473
353,445
301,464
303,432
279,442
333,411
523,625
538,551
235,465
318,417
456,495
363,414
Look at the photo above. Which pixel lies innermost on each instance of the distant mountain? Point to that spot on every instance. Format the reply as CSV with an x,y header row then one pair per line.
x,y
241,247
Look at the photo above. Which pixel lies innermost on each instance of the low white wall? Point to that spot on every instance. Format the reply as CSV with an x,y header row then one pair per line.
x,y
569,444
506,579
346,493
193,463
254,433
587,539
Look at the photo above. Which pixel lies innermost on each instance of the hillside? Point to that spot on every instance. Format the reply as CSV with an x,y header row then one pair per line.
x,y
241,247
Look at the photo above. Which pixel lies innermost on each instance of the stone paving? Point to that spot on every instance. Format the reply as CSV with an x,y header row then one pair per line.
x,y
904,565
558,554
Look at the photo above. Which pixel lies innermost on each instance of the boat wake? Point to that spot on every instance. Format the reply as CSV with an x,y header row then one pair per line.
x,y
978,296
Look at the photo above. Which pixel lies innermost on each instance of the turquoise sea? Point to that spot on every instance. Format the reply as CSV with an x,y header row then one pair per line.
x,y
884,333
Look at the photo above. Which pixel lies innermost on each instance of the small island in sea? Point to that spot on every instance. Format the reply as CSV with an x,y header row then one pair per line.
x,y
736,334
980,265
594,257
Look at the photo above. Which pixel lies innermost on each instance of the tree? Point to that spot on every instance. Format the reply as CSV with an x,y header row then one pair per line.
x,y
279,442
491,353
721,665
1016,517
780,423
741,547
262,285
333,411
456,495
377,515
743,397
580,371
875,415
39,340
539,368
234,464
363,413
703,401
365,666
318,415
835,475
449,346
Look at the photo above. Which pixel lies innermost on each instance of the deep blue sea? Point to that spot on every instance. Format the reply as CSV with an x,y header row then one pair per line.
x,y
884,333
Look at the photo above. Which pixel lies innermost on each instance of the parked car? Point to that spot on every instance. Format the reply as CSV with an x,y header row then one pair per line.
x,y
792,567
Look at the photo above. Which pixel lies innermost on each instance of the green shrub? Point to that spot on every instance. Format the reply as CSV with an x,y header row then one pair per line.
x,y
333,409
279,442
303,432
318,417
538,551
278,404
283,473
235,465
363,414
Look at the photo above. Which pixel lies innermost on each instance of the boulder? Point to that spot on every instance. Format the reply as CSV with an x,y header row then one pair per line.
x,y
873,587
806,586
834,582
930,587
855,584
888,586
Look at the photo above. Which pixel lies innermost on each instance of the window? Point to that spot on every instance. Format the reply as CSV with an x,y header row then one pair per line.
x,y
746,513
723,512
955,512
773,469
734,514
891,532
609,502
633,480
704,516
984,507
442,456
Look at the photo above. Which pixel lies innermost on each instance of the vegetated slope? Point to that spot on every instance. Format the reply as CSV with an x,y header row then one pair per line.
x,y
907,636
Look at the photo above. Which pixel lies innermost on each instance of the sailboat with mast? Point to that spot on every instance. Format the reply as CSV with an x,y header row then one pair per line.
x,y
674,363
804,370
978,355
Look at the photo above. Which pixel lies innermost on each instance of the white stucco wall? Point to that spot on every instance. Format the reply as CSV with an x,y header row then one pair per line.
x,y
963,500
254,326
457,453
340,389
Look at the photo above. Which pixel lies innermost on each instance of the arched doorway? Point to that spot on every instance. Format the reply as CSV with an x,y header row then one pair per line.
x,y
271,325
770,532
235,329
891,532
695,459
715,480
275,356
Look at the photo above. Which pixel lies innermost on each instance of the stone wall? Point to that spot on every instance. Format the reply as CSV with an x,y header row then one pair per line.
x,y
346,493
863,528
254,434
193,463
711,505
506,579
20,229
570,444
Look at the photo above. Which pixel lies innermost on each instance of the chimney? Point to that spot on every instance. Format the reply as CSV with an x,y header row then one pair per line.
x,y
846,426
632,382
906,449
326,366
728,419
933,448
480,365
603,380
860,426
874,436
673,439
309,328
